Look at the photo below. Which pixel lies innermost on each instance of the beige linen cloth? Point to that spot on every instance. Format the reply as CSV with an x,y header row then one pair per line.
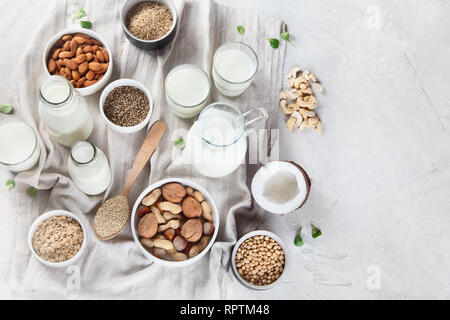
x,y
116,268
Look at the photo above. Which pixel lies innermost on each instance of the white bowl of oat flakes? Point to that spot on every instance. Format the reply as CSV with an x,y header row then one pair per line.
x,y
57,238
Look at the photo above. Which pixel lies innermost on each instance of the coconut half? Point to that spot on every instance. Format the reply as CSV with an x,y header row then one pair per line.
x,y
281,187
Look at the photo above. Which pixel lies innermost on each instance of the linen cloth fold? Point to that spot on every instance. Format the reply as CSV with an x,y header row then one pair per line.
x,y
116,268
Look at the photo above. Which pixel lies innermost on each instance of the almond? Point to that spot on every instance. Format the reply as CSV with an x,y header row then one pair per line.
x,y
75,75
87,48
51,66
100,56
96,42
73,46
147,226
90,75
95,66
105,54
80,58
80,39
89,56
82,35
65,54
59,63
79,51
71,64
83,67
81,82
191,207
56,53
88,83
66,46
67,37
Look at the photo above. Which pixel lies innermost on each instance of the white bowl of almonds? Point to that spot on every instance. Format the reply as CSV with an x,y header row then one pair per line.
x,y
82,57
174,222
57,238
259,260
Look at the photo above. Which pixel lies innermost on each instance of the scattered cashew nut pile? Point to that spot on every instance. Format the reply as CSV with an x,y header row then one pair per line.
x,y
299,101
175,221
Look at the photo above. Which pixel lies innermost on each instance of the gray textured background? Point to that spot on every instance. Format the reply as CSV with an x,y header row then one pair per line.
x,y
380,169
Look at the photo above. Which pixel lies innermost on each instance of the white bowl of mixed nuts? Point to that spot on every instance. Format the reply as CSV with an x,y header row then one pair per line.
x,y
82,57
57,238
259,260
126,105
174,222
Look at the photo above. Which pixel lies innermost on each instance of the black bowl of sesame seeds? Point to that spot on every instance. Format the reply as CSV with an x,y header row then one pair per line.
x,y
126,105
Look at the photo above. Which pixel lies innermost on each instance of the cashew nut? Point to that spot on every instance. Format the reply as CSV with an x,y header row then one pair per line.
x,y
169,216
164,244
298,117
152,197
206,211
198,196
199,247
294,71
158,214
169,206
284,107
172,224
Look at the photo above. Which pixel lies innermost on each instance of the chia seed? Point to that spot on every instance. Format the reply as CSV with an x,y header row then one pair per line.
x,y
126,106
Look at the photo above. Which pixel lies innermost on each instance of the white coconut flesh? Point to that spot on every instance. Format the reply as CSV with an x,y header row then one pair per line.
x,y
279,187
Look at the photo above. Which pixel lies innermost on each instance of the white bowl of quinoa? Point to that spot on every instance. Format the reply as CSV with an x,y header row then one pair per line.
x,y
126,105
57,238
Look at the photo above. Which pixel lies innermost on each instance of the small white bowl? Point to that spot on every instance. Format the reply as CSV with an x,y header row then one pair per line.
x,y
259,233
128,83
100,84
45,216
135,220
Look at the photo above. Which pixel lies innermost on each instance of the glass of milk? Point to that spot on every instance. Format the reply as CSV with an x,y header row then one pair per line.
x,y
64,112
216,144
19,146
89,168
234,67
187,90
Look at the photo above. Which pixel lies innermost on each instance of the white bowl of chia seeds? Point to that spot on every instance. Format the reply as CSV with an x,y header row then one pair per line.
x,y
126,105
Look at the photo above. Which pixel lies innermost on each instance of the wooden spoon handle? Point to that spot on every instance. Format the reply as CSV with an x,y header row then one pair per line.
x,y
148,147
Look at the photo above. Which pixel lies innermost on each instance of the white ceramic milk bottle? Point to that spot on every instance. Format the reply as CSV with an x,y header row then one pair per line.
x,y
217,142
64,111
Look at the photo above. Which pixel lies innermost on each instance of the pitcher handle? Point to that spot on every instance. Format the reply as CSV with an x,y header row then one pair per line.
x,y
262,116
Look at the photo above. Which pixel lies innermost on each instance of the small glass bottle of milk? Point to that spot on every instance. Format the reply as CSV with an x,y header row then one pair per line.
x,y
234,67
64,112
89,168
187,90
19,146
216,144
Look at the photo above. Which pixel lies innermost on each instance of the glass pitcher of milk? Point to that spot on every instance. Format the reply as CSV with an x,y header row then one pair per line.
x,y
234,67
216,144
64,112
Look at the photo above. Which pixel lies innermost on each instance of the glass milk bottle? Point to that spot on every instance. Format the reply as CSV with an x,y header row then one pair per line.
x,y
187,90
234,67
89,168
64,112
19,146
216,144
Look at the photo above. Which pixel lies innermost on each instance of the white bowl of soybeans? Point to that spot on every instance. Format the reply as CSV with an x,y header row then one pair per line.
x,y
259,260
79,70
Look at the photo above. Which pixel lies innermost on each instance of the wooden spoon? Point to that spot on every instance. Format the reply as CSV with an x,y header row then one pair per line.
x,y
114,213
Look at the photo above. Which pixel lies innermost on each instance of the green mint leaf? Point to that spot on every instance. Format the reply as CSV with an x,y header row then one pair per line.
x,y
315,232
285,37
86,24
298,239
180,143
10,183
31,191
274,43
241,30
80,13
6,108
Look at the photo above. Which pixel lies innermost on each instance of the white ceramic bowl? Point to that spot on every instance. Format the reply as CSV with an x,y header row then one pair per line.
x,y
130,83
135,220
45,216
260,233
100,84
